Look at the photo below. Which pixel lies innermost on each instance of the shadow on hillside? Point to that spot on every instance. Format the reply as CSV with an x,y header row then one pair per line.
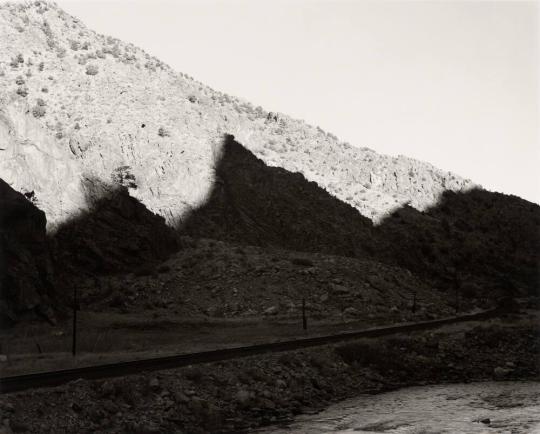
x,y
482,243
478,241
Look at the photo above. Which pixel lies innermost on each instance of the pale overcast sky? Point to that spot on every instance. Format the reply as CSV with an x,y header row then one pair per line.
x,y
452,83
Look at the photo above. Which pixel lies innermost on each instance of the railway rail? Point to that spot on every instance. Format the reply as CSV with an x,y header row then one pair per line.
x,y
56,378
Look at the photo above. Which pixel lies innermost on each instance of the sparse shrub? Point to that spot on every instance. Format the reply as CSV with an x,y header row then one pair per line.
x,y
192,98
38,111
22,91
162,132
16,61
122,175
74,45
92,69
45,90
61,52
40,102
19,80
47,30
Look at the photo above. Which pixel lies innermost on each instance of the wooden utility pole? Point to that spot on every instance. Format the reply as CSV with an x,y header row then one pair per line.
x,y
304,318
75,309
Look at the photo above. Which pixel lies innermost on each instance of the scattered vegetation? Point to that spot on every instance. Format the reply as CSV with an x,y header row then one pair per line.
x,y
92,69
38,111
122,175
22,91
162,132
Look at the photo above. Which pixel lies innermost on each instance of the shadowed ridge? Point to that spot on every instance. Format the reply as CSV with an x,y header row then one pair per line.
x,y
252,203
26,280
483,243
472,240
118,234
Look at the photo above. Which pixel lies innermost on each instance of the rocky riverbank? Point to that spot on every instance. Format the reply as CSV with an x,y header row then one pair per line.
x,y
242,394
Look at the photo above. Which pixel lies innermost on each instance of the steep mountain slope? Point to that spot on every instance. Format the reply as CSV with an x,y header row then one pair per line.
x,y
76,105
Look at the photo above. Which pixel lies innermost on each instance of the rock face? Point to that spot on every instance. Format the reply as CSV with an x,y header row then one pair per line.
x,y
26,280
76,104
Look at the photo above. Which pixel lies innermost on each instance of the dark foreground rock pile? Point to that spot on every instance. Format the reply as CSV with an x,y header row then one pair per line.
x,y
242,394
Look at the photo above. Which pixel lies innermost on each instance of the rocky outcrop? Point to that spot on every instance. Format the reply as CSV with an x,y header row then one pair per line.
x,y
26,280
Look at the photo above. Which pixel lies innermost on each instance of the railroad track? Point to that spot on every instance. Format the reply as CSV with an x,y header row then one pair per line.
x,y
55,378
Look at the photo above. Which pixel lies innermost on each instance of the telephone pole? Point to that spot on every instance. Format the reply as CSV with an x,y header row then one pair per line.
x,y
304,318
75,309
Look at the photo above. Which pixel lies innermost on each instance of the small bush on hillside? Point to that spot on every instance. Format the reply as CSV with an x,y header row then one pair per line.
x,y
40,102
45,89
74,45
122,175
162,132
41,66
16,61
38,111
22,91
92,69
19,80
